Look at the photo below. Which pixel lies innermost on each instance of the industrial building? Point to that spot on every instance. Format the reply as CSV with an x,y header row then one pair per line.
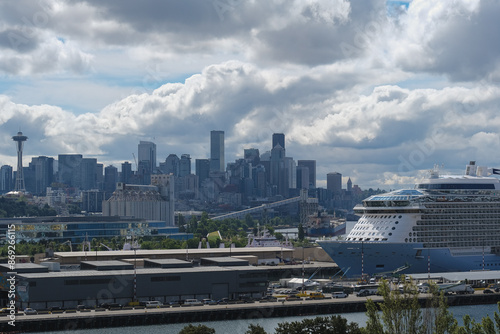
x,y
254,255
119,282
152,202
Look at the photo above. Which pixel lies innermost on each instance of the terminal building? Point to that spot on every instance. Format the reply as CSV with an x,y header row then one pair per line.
x,y
119,282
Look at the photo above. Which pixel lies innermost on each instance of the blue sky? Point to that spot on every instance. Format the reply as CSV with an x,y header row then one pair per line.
x,y
378,91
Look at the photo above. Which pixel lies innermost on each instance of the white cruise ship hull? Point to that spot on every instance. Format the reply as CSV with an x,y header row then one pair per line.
x,y
375,258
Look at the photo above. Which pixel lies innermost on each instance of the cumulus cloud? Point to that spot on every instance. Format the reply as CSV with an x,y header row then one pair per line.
x,y
378,97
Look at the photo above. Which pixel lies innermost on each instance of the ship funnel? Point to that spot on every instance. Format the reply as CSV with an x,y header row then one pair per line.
x,y
470,169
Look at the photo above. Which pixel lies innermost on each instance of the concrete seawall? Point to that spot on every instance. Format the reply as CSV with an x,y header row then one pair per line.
x,y
72,320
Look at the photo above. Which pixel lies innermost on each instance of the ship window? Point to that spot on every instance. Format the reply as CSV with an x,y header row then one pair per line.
x,y
390,233
393,228
400,217
406,239
396,222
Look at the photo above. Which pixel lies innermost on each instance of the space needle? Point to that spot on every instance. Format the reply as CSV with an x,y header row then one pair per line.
x,y
19,139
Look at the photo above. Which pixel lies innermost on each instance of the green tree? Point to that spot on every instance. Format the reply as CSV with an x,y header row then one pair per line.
x,y
200,329
319,325
181,222
255,329
249,220
402,314
301,233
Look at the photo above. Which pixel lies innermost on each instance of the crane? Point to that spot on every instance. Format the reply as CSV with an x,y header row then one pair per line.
x,y
103,245
135,160
68,242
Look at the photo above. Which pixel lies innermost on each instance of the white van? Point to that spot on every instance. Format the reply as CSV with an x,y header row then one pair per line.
x,y
339,294
192,302
153,303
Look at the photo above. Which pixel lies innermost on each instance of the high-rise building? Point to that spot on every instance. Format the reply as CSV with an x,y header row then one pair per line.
x,y
217,151
110,179
278,139
19,139
278,177
202,169
252,155
99,176
41,171
334,183
302,177
349,185
6,180
88,168
185,165
69,171
147,152
171,165
126,175
311,165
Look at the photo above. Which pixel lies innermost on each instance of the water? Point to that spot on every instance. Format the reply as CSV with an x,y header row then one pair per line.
x,y
477,312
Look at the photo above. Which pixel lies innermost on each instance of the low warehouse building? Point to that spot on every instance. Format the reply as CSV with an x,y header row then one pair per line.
x,y
68,289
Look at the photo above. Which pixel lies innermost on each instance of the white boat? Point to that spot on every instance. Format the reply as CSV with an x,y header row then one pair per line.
x,y
446,223
265,239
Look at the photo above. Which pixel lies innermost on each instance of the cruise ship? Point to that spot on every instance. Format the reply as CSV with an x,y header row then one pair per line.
x,y
446,223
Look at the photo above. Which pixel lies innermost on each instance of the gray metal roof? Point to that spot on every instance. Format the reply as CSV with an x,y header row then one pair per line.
x,y
22,267
145,271
461,276
144,252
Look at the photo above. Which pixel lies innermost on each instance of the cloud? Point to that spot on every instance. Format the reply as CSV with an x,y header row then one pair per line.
x,y
454,38
375,96
386,128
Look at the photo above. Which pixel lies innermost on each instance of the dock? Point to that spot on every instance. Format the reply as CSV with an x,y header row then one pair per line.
x,y
127,317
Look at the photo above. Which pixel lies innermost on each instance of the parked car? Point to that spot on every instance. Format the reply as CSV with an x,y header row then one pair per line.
x,y
192,301
209,302
363,293
56,309
30,311
82,307
487,291
176,302
110,305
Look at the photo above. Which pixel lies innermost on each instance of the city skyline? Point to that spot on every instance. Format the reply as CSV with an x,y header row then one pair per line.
x,y
378,91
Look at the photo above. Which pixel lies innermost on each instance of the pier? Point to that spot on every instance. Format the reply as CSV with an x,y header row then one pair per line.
x,y
101,318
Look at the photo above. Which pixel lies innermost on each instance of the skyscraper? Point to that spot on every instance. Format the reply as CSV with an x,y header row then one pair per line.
x,y
278,138
42,170
202,169
334,183
311,166
302,177
147,152
126,175
88,168
171,165
185,165
6,178
19,139
69,171
110,179
217,151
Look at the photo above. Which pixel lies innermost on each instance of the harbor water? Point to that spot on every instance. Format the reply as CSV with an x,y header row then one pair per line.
x,y
477,312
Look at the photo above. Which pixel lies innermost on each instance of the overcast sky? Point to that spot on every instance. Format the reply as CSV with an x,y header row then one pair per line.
x,y
379,91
